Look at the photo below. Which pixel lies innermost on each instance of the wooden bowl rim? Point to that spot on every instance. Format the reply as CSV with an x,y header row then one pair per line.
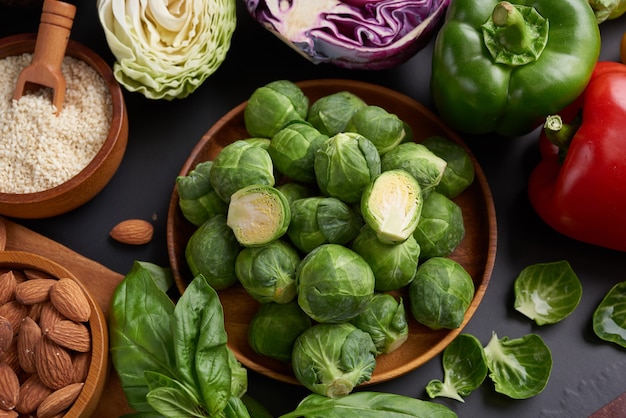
x,y
88,399
118,132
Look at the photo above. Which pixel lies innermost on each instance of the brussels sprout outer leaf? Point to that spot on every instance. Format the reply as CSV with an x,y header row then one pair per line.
x,y
212,251
609,318
547,292
441,227
330,114
464,367
520,368
258,215
384,319
196,198
459,173
384,129
368,405
391,205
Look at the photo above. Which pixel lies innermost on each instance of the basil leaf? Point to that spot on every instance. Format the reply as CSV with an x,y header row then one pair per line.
x,y
235,408
547,292
200,344
139,332
519,368
368,405
464,366
609,318
174,403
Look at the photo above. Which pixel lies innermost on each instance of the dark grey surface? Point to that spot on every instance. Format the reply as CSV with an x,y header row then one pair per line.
x,y
587,373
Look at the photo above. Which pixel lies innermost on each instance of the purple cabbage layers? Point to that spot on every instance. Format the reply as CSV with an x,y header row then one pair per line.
x,y
353,34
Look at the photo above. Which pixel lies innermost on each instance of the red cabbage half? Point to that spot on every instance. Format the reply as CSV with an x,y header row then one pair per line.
x,y
354,34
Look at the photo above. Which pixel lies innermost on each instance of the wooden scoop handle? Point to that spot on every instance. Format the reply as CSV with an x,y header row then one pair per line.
x,y
53,36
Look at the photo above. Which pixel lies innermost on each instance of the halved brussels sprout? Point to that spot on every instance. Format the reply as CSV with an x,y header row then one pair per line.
x,y
334,283
385,321
240,164
394,265
459,173
345,165
330,114
419,161
258,215
211,251
441,293
197,199
384,129
321,220
274,328
268,273
293,150
441,227
391,205
271,107
332,359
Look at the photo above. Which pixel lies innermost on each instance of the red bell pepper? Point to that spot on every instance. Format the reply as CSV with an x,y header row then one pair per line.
x,y
579,186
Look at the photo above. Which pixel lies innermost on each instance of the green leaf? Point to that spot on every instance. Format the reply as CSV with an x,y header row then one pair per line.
x,y
547,292
174,403
368,405
609,318
520,368
465,369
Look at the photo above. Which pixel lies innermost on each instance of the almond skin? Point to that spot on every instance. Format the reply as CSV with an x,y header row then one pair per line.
x,y
27,340
6,335
70,300
54,364
71,335
133,232
33,291
14,312
32,394
9,387
81,362
59,400
48,315
7,287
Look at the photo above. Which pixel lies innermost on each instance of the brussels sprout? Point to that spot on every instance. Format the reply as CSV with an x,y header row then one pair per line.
x,y
459,173
391,205
345,165
321,220
440,293
293,191
440,228
394,265
211,251
293,150
330,114
197,200
609,321
384,320
258,215
419,161
334,284
258,142
331,359
240,164
384,129
274,328
271,107
268,273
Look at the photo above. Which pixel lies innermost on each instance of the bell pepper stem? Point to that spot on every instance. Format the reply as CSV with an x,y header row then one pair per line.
x,y
514,34
558,132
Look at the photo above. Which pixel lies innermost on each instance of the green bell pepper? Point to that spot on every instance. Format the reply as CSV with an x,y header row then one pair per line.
x,y
502,67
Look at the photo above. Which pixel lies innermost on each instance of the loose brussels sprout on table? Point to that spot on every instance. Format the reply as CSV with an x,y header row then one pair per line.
x,y
441,227
334,283
385,321
330,114
331,359
198,201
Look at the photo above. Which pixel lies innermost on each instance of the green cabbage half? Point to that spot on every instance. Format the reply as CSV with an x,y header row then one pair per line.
x,y
165,50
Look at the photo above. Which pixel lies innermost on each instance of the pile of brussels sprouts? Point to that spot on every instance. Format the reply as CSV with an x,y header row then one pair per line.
x,y
323,212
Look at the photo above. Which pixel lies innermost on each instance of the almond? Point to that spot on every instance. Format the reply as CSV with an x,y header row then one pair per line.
x,y
7,287
133,232
54,364
6,335
27,340
14,312
36,274
70,300
69,334
48,315
8,414
10,357
59,400
33,291
32,393
9,387
81,362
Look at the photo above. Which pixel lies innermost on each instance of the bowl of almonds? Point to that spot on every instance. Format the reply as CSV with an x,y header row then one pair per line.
x,y
53,340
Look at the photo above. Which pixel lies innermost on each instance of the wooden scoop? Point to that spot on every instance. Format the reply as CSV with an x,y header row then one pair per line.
x,y
53,35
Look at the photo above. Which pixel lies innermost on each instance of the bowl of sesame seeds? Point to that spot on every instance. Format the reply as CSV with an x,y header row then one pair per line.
x,y
50,163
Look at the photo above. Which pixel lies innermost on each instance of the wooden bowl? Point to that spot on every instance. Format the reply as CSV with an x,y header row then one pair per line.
x,y
89,397
476,252
91,180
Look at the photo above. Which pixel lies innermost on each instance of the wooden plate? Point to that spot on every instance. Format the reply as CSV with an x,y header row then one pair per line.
x,y
476,252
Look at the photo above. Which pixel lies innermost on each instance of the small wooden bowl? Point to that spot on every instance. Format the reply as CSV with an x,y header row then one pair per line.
x,y
91,180
89,397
